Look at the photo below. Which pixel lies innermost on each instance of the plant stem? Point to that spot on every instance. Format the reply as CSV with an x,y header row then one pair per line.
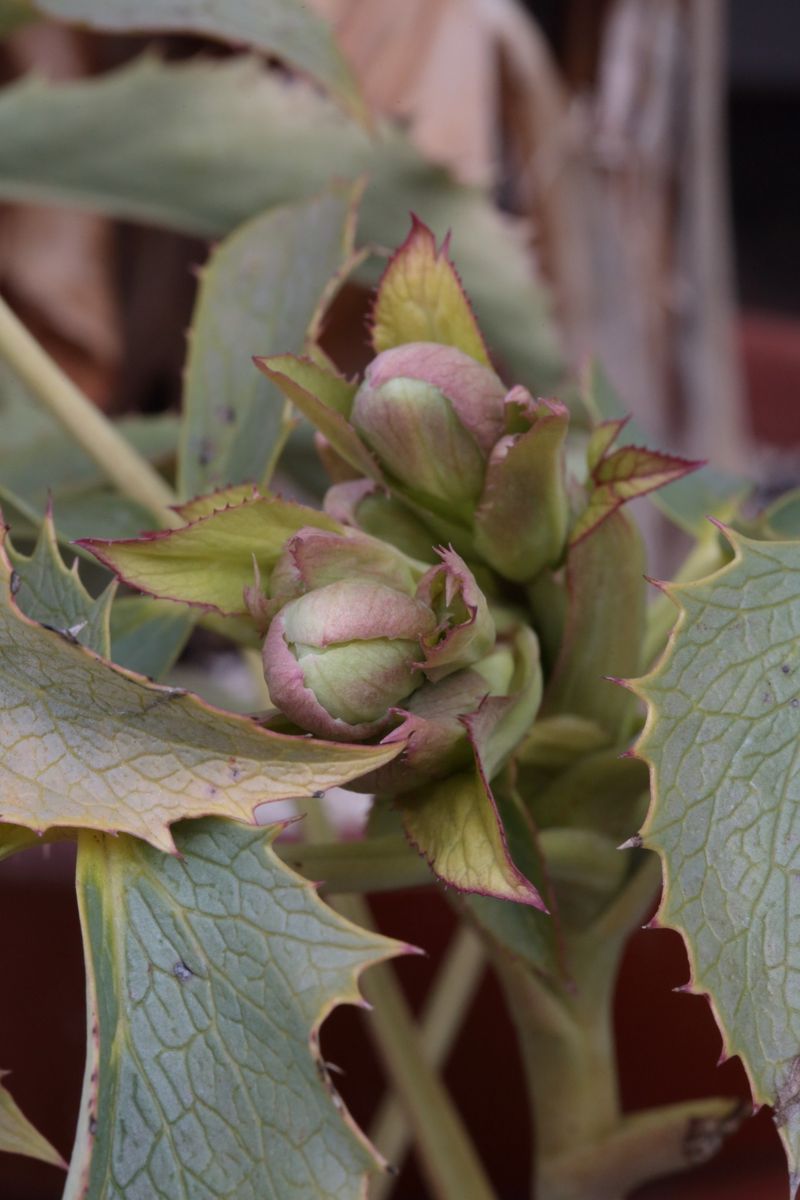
x,y
659,1141
571,1069
567,1044
450,998
451,1167
381,864
82,420
448,1159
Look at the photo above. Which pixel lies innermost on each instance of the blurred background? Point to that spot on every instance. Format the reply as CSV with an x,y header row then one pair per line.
x,y
646,152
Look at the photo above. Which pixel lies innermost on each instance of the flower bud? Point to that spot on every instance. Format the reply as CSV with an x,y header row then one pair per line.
x,y
465,630
310,561
337,659
431,414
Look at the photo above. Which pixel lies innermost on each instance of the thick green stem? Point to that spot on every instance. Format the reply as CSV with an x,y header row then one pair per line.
x,y
570,1063
567,1045
82,420
382,864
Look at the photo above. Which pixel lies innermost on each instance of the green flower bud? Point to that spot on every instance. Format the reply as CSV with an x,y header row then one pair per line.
x,y
338,659
431,415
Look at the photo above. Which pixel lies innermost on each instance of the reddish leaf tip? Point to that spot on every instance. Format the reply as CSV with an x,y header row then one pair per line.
x,y
623,683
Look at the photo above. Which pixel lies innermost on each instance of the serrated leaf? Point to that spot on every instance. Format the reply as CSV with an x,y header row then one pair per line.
x,y
287,29
147,635
623,475
201,506
721,738
203,146
456,825
258,294
50,593
689,501
209,976
19,1136
210,562
525,932
85,744
420,299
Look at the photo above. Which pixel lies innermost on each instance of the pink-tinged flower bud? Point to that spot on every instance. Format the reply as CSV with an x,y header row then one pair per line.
x,y
309,561
337,659
465,631
431,414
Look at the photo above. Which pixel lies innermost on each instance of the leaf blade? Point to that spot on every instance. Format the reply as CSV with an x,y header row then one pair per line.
x,y
19,1136
284,28
258,294
213,1071
209,562
146,143
720,740
89,745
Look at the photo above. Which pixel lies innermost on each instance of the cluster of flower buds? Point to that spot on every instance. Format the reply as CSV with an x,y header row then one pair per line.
x,y
397,614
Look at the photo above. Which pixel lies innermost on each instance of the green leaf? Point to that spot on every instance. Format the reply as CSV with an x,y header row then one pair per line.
x,y
147,635
53,595
88,745
201,506
689,501
258,294
782,518
287,29
420,299
455,824
210,562
325,400
623,475
18,1136
521,521
203,146
209,976
604,627
38,464
526,932
721,738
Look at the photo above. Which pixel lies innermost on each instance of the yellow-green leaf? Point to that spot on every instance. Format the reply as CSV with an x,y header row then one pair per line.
x,y
18,1136
210,562
421,299
455,824
85,744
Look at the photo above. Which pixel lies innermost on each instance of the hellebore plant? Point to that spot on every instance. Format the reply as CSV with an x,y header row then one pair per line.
x,y
463,633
